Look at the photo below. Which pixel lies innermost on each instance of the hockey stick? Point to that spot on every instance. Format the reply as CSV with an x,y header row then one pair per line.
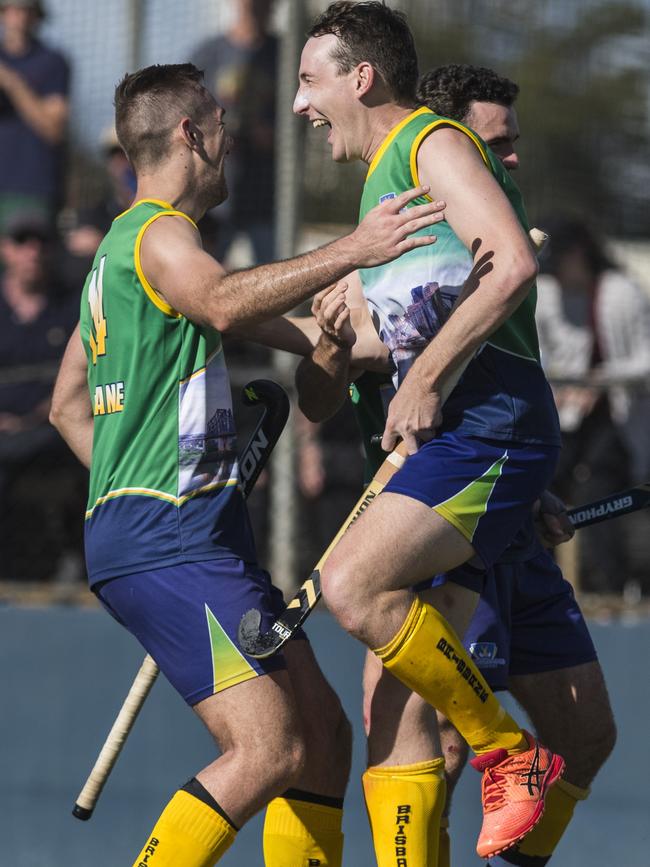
x,y
275,402
621,503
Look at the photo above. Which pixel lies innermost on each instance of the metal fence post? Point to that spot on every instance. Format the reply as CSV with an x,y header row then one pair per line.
x,y
283,500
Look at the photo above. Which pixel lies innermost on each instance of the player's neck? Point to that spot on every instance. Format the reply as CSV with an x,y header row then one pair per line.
x,y
382,119
169,196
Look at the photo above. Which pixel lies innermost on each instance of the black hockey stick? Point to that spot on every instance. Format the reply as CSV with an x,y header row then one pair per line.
x,y
275,402
621,503
260,645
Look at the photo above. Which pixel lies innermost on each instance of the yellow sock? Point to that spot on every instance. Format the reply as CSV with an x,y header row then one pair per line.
x,y
560,803
404,806
444,847
427,656
188,833
303,833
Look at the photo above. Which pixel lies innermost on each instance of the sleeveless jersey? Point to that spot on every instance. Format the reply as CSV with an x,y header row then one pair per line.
x,y
164,485
503,393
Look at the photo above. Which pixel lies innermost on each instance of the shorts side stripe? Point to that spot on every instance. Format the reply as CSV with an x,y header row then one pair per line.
x,y
465,509
228,665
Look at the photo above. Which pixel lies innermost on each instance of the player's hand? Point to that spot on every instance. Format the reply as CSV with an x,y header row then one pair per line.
x,y
384,232
414,415
332,314
551,520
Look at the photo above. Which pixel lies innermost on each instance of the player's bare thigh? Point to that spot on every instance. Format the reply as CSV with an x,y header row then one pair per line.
x,y
396,543
572,714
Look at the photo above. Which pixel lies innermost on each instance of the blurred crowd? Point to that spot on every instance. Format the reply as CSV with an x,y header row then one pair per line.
x,y
593,320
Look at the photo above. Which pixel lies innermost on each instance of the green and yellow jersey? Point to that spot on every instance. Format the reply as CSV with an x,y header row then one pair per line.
x,y
164,485
503,393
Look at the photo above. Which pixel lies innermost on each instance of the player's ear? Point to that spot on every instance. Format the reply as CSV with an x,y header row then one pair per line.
x,y
365,78
189,133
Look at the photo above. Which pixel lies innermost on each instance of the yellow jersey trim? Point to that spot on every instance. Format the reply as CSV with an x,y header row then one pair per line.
x,y
196,373
159,495
146,285
417,141
160,202
383,147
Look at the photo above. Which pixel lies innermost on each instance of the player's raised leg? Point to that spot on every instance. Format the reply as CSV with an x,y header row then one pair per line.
x,y
364,582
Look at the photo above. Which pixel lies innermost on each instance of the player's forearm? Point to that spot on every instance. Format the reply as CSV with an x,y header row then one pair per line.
x,y
76,428
296,334
322,380
248,297
71,412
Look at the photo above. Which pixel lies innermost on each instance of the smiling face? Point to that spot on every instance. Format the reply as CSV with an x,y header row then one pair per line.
x,y
331,99
497,125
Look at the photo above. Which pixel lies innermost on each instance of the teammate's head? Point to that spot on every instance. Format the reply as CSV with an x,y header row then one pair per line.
x,y
480,98
163,112
357,54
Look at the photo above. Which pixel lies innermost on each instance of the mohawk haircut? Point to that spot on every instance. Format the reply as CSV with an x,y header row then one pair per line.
x,y
373,32
450,90
150,103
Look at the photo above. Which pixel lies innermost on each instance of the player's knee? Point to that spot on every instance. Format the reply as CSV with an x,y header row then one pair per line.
x,y
599,744
281,761
338,587
329,742
288,763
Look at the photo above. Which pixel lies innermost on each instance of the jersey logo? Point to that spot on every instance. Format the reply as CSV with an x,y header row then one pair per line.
x,y
484,654
96,301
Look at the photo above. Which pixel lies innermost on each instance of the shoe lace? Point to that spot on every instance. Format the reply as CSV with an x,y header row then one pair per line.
x,y
494,785
518,770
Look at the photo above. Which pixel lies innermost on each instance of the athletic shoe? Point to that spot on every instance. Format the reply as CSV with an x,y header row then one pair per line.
x,y
513,791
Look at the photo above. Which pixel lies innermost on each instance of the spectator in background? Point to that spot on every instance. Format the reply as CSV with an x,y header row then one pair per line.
x,y
594,329
35,324
33,114
240,71
82,228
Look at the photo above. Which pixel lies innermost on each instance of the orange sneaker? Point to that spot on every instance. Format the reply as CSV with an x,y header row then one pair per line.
x,y
513,791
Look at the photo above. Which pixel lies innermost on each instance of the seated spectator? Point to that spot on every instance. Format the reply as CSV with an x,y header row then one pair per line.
x,y
594,331
35,323
33,114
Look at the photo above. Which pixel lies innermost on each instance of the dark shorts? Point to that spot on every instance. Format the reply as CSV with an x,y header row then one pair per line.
x,y
484,488
527,622
186,618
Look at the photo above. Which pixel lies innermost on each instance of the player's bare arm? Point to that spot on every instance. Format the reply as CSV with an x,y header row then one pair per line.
x,y
71,411
348,345
295,334
194,284
504,270
322,377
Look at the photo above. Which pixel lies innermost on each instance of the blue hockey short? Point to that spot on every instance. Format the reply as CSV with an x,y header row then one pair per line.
x,y
186,618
